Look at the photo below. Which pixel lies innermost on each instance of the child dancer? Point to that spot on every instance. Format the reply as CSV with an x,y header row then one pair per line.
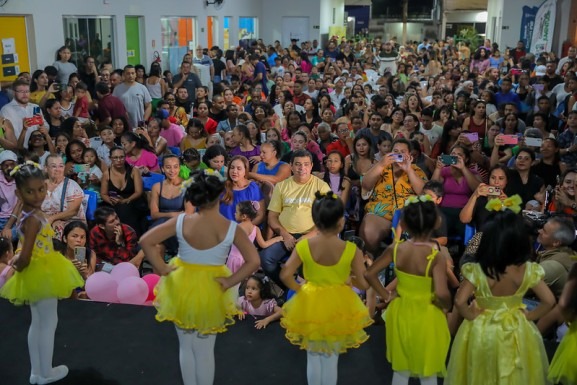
x,y
246,212
563,369
194,291
259,301
38,262
417,332
6,254
498,343
325,316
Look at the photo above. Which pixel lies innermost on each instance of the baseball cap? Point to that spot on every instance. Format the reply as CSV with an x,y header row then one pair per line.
x,y
8,155
540,70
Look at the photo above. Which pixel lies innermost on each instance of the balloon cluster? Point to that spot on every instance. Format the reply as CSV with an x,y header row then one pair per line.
x,y
122,285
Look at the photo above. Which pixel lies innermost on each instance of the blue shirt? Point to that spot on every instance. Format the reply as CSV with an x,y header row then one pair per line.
x,y
509,97
249,193
566,140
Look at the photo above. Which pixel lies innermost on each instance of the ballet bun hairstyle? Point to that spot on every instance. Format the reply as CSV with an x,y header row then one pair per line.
x,y
327,210
203,189
420,215
26,171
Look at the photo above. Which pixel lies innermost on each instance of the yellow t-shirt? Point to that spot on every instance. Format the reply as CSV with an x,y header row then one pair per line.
x,y
294,202
36,96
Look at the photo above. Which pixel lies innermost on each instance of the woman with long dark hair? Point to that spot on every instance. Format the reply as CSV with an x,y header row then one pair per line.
x,y
139,153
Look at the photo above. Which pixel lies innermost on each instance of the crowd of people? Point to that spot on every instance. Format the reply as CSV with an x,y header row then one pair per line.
x,y
469,131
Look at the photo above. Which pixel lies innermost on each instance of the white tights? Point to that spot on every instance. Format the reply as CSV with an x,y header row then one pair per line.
x,y
401,378
41,336
322,369
196,355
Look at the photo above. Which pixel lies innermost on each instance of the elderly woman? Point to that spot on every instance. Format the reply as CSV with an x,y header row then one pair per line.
x,y
63,202
270,169
238,188
391,182
121,187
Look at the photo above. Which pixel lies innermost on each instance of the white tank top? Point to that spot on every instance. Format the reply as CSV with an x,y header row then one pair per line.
x,y
214,256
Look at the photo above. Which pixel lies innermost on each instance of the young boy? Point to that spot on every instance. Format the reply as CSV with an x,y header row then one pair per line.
x,y
81,104
106,144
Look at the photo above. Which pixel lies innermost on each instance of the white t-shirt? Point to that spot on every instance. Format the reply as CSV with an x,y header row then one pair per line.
x,y
433,134
134,97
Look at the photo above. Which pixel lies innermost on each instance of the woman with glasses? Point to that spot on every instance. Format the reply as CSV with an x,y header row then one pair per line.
x,y
63,202
121,187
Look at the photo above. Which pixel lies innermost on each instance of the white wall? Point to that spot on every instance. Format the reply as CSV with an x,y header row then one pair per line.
x,y
46,32
274,10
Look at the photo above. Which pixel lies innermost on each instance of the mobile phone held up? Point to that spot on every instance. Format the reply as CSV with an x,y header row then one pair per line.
x,y
510,139
493,191
80,253
449,160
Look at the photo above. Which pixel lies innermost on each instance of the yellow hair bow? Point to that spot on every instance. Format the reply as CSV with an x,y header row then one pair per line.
x,y
27,163
512,203
208,172
418,198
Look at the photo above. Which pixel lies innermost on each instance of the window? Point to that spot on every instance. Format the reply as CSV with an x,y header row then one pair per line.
x,y
90,36
247,28
226,31
178,38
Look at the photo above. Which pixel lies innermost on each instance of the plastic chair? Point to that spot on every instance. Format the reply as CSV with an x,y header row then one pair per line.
x,y
175,150
149,180
470,230
91,203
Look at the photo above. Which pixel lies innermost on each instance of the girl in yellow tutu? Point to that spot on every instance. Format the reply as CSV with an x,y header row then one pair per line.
x,y
563,368
416,326
498,343
194,291
325,316
42,275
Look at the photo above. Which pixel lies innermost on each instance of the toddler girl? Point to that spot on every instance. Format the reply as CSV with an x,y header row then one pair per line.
x,y
258,301
246,212
38,262
94,174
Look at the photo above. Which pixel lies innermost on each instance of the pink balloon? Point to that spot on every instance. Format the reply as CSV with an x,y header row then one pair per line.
x,y
151,281
124,270
101,287
132,290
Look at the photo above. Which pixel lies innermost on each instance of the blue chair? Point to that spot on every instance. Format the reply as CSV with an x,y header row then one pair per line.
x,y
149,180
91,205
175,150
469,232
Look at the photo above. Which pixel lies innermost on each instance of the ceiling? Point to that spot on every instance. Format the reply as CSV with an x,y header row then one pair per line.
x,y
457,5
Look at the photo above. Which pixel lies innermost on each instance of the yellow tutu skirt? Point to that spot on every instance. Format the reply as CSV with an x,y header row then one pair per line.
x,y
326,319
192,298
563,368
48,276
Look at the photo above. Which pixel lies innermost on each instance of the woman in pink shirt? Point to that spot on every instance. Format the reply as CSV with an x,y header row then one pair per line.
x,y
139,154
459,183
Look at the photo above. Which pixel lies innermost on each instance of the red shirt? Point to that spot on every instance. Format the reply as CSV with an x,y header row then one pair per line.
x,y
339,146
111,107
108,250
210,126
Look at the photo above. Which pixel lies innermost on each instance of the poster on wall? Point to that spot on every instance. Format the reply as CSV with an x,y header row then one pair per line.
x,y
528,24
542,37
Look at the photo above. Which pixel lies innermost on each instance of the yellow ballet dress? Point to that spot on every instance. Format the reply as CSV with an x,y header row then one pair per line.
x,y
49,274
190,297
563,368
500,346
417,332
326,315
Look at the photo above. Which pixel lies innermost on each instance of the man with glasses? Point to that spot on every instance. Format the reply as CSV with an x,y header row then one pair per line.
x,y
21,113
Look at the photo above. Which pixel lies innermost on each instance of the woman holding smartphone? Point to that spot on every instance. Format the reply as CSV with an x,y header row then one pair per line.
x,y
74,237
